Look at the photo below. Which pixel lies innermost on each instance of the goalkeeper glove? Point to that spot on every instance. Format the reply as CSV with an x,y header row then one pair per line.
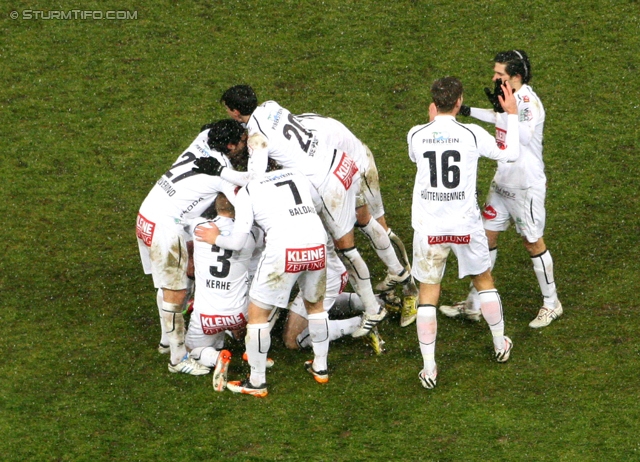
x,y
493,97
208,166
465,111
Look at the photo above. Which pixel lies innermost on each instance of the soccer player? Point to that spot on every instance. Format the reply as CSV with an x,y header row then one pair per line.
x,y
370,209
221,297
283,203
518,189
179,195
276,133
445,214
296,332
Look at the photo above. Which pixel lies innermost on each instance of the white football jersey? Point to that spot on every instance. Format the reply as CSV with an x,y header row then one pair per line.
x,y
181,194
336,136
283,203
446,153
528,170
288,143
222,276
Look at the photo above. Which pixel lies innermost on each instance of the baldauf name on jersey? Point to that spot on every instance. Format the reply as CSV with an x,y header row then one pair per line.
x,y
442,196
217,284
166,186
301,210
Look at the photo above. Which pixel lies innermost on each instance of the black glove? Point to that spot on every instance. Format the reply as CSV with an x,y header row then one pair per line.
x,y
493,97
208,166
465,111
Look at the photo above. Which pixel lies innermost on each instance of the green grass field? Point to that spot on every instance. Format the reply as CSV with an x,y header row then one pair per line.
x,y
94,111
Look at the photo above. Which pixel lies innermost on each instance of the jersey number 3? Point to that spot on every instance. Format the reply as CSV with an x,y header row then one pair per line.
x,y
223,258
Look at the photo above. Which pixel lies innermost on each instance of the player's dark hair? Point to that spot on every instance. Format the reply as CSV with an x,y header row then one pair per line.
x,y
445,93
224,132
242,98
516,63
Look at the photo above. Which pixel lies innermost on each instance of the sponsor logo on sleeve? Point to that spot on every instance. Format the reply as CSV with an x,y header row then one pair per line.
x,y
346,170
214,324
309,259
501,138
144,230
434,240
526,115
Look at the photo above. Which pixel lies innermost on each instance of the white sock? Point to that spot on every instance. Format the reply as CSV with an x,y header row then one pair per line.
x,y
382,245
543,267
347,302
207,356
472,299
338,328
319,333
257,343
491,307
359,273
427,325
341,327
164,338
174,327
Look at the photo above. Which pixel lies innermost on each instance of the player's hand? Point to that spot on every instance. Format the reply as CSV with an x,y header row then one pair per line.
x,y
494,97
207,233
465,111
507,100
208,166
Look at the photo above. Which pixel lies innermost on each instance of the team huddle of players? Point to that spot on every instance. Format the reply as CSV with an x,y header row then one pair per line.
x,y
266,202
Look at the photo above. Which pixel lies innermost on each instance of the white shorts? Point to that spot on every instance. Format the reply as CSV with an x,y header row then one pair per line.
x,y
369,193
525,207
338,192
430,255
163,251
280,268
207,328
337,279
